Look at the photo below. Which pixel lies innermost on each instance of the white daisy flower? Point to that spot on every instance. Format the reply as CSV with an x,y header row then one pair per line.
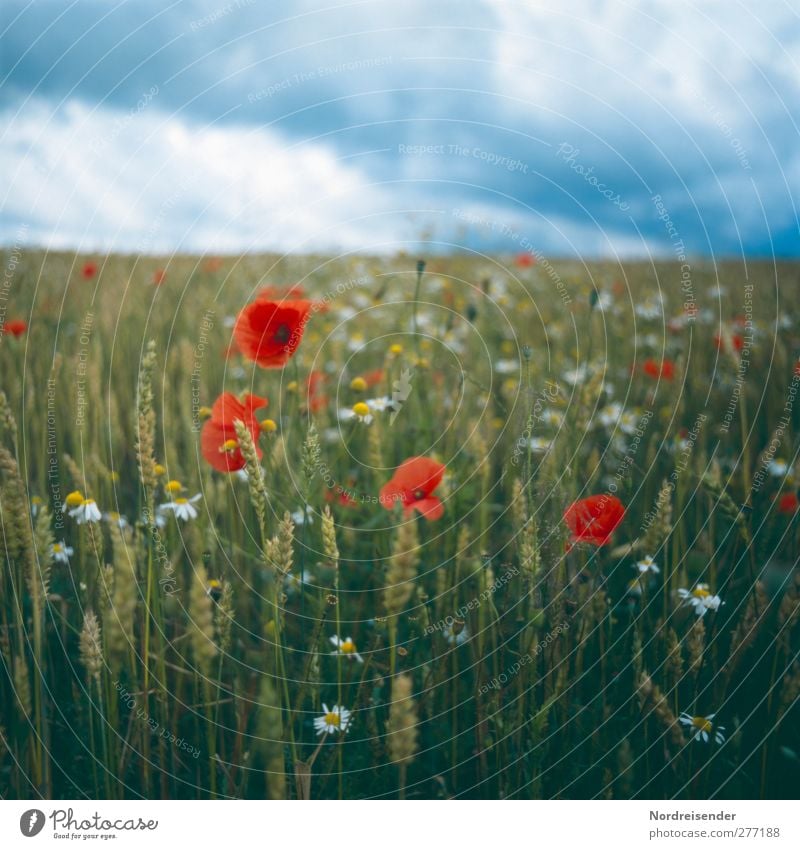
x,y
355,343
778,468
61,552
635,587
703,729
540,445
183,508
379,405
85,512
700,598
36,504
604,300
647,565
552,417
356,412
300,517
575,376
333,720
649,309
242,474
346,647
628,422
294,582
506,366
610,414
456,638
118,518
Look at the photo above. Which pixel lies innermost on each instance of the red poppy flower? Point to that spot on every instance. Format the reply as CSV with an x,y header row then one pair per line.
x,y
268,332
654,369
212,264
412,485
315,399
218,440
736,340
159,276
341,497
295,292
788,503
89,270
374,377
524,260
594,519
16,327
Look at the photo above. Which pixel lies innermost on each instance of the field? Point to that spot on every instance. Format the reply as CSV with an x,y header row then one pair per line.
x,y
466,528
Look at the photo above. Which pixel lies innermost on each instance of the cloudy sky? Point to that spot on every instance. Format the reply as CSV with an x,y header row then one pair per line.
x,y
375,125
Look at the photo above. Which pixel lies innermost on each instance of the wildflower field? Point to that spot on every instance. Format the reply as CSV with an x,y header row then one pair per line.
x,y
312,527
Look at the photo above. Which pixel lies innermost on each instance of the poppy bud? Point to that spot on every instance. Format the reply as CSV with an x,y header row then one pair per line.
x,y
594,297
472,312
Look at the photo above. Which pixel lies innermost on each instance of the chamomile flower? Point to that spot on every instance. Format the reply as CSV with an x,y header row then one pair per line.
x,y
576,376
379,405
647,566
333,720
302,517
610,414
61,552
293,582
457,633
183,508
346,647
539,445
703,728
83,510
628,422
778,468
116,518
700,598
359,411
552,417
36,505
506,366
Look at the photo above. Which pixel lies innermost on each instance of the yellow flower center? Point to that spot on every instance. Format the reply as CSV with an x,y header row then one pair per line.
x,y
348,647
228,446
361,409
87,502
701,723
58,548
204,413
181,500
291,386
358,384
75,499
332,719
161,470
173,486
396,349
700,592
269,426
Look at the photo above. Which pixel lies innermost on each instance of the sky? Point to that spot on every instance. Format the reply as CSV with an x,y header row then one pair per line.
x,y
590,128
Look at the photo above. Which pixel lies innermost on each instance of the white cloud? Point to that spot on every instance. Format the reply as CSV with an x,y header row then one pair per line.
x,y
159,184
